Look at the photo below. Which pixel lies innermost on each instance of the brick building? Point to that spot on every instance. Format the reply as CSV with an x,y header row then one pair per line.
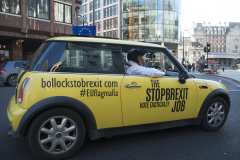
x,y
25,24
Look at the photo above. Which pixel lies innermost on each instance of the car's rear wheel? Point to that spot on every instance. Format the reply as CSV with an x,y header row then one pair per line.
x,y
57,134
12,80
215,114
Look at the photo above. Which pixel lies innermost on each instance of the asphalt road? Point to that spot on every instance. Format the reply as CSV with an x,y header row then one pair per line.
x,y
190,142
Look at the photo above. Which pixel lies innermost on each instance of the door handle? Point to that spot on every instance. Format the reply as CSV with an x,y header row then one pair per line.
x,y
132,85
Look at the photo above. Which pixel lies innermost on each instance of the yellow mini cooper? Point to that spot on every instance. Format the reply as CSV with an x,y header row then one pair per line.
x,y
76,86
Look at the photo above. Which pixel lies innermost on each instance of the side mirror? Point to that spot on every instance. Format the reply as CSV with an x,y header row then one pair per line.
x,y
182,77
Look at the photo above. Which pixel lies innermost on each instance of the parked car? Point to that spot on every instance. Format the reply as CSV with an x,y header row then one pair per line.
x,y
9,71
77,86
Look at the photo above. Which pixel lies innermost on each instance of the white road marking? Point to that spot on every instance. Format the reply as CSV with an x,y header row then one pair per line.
x,y
233,90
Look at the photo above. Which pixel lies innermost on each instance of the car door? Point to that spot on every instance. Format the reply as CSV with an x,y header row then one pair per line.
x,y
152,100
90,73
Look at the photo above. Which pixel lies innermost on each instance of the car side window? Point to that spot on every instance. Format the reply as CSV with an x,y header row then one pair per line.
x,y
19,65
154,58
159,60
83,58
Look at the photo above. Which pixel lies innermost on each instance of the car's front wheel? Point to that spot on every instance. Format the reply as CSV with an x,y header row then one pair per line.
x,y
56,134
12,80
215,114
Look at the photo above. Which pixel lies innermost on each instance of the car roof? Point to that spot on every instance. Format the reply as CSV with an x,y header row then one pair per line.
x,y
104,40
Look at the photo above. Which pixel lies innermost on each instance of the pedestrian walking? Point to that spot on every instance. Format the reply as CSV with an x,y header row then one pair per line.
x,y
193,67
223,69
189,67
202,67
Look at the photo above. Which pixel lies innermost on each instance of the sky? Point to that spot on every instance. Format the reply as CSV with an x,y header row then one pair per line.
x,y
214,11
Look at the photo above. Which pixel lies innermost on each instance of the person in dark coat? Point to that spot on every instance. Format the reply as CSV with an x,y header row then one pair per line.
x,y
223,69
1,61
189,67
193,67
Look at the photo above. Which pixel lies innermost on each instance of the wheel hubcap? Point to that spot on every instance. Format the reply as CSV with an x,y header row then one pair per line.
x,y
13,80
216,114
57,135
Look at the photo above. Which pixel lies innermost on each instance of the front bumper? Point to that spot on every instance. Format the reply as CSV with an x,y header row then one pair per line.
x,y
15,114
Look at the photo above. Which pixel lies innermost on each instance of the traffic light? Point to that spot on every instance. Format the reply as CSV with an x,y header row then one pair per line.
x,y
208,47
205,49
174,53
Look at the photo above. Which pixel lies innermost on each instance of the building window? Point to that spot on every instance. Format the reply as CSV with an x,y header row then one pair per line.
x,y
110,23
83,9
194,54
110,11
97,15
63,12
98,26
38,9
97,4
112,34
10,6
107,2
83,19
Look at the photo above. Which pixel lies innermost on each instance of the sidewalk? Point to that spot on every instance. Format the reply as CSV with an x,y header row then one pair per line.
x,y
228,73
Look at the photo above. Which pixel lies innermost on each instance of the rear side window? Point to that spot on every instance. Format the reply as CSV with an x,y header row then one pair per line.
x,y
3,65
37,55
19,65
82,58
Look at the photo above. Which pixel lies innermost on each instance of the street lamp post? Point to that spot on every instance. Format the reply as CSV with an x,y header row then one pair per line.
x,y
183,50
78,3
93,12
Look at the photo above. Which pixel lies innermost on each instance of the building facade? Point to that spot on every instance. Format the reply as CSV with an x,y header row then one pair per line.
x,y
154,21
25,24
233,40
107,16
223,40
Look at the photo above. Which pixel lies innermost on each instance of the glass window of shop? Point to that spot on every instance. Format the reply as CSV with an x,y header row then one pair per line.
x,y
10,6
63,12
38,9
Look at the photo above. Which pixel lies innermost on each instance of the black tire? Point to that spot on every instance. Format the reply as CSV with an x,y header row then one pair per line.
x,y
215,114
12,80
70,126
